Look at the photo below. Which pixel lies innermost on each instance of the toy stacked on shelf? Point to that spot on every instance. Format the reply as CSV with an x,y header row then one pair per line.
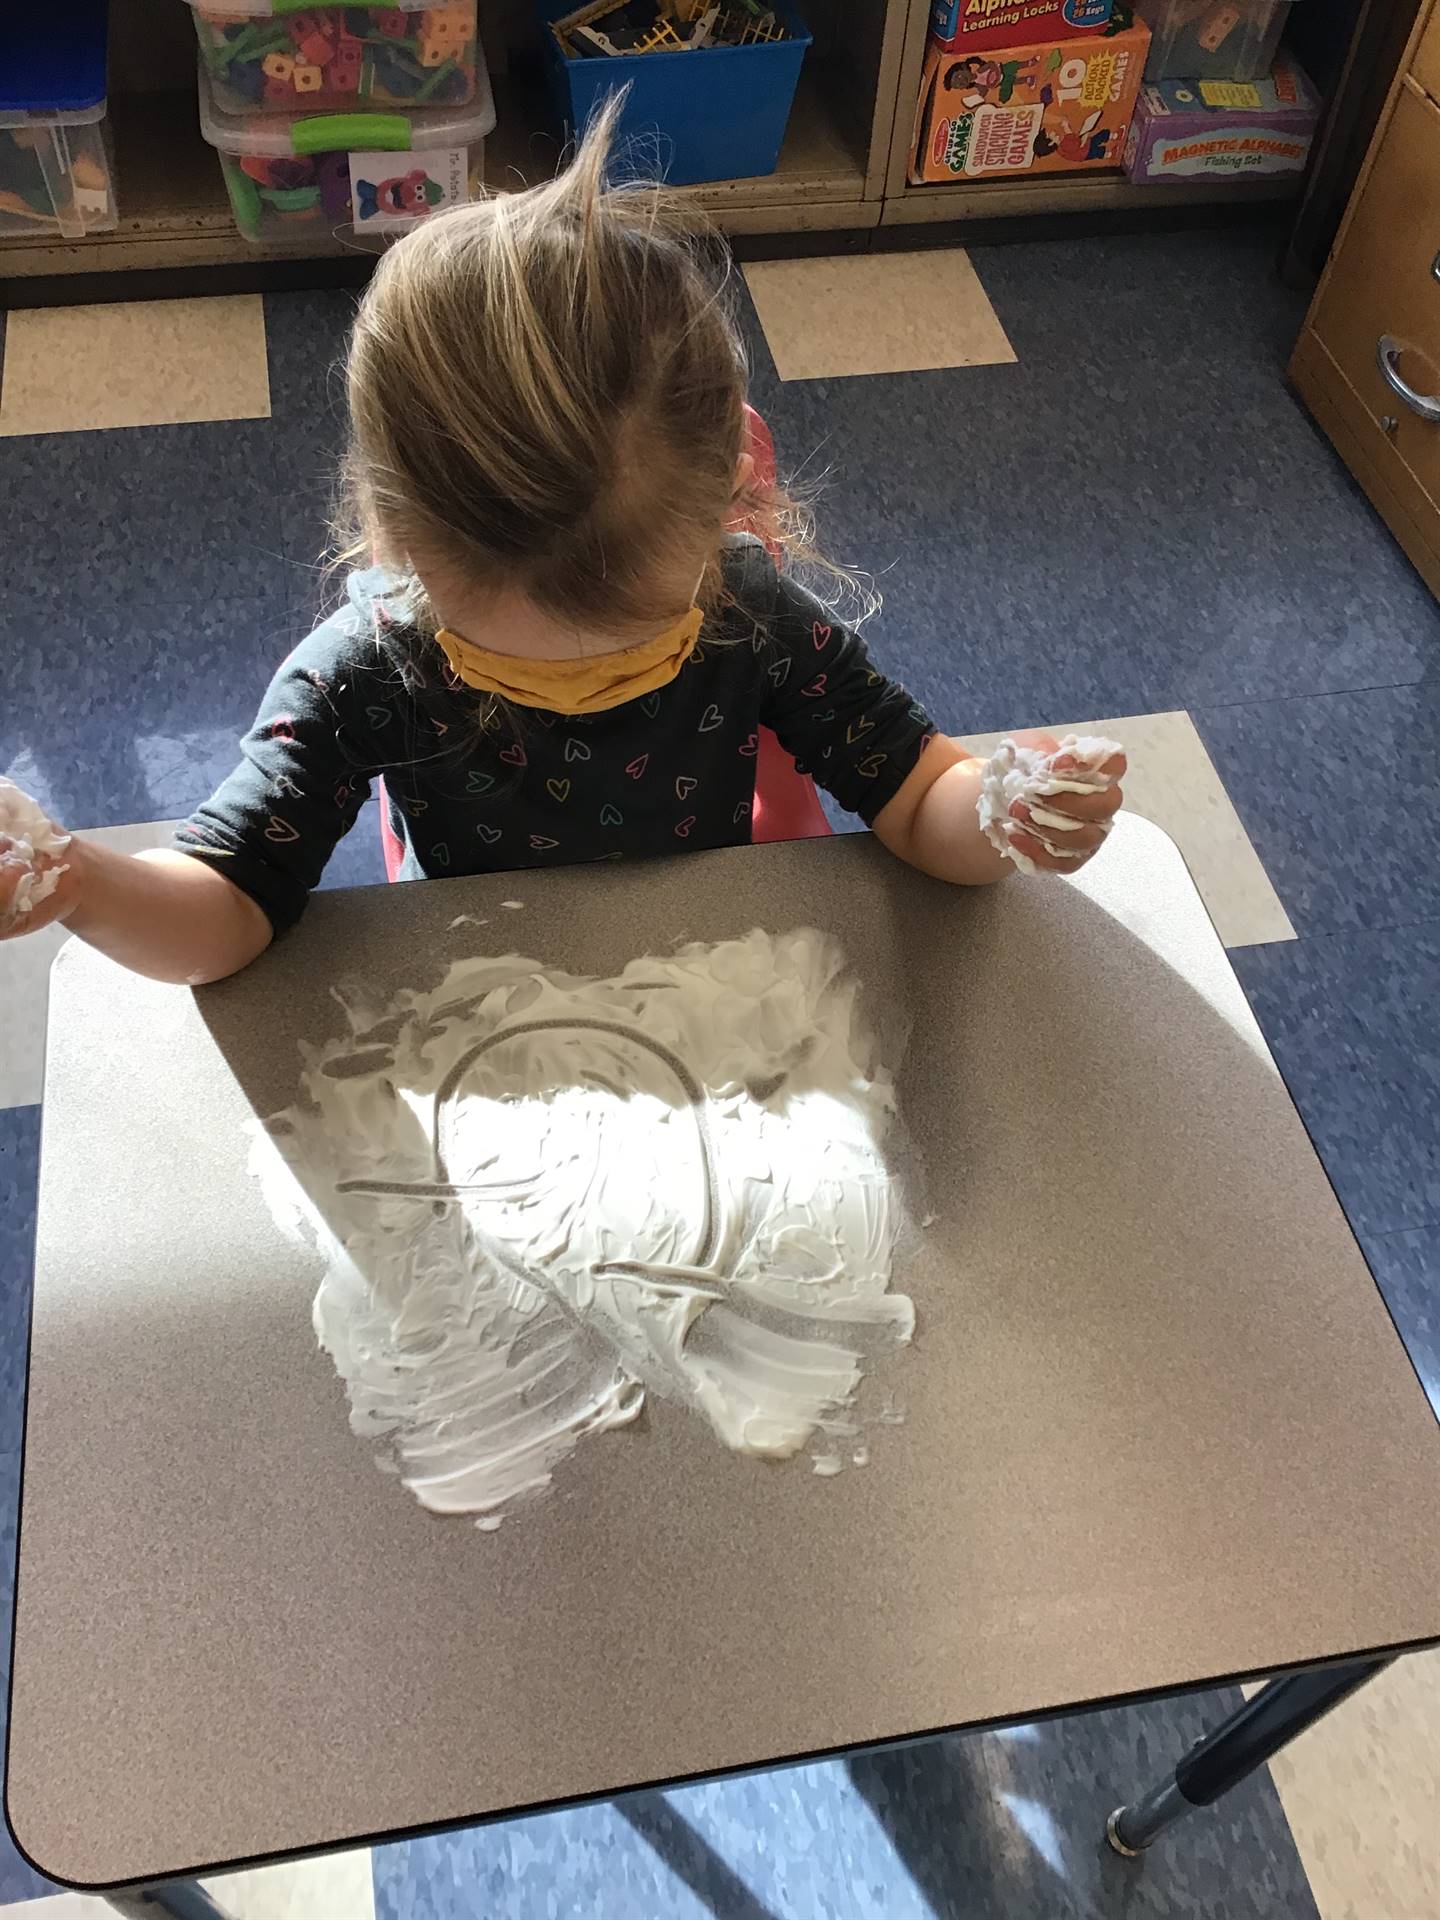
x,y
56,170
969,26
1227,129
1212,39
706,86
1051,106
293,178
607,28
1212,103
264,56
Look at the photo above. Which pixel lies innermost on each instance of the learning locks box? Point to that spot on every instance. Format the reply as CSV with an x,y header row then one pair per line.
x,y
969,25
1053,107
1233,129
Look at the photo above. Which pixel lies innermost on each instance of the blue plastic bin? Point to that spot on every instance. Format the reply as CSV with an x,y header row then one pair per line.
x,y
717,113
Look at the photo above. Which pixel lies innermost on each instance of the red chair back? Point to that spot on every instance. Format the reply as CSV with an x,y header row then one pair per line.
x,y
786,805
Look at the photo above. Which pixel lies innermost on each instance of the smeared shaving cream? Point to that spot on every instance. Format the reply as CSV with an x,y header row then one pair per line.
x,y
1024,773
25,832
541,1197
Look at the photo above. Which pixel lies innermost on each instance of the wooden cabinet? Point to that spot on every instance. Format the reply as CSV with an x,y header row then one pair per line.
x,y
1368,361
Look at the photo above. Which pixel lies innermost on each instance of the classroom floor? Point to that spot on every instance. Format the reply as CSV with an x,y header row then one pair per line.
x,y
1101,503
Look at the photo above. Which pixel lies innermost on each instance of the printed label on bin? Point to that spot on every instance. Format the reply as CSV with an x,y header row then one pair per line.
x,y
394,190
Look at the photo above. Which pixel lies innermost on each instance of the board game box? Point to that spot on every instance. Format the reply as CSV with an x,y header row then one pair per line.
x,y
1234,129
970,25
1050,107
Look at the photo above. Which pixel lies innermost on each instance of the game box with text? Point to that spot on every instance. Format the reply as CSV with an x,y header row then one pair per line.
x,y
1052,107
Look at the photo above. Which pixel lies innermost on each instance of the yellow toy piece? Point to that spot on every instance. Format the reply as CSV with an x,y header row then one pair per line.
x,y
308,79
444,34
279,66
662,38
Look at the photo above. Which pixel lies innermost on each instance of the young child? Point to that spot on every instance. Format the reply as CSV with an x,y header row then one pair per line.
x,y
560,655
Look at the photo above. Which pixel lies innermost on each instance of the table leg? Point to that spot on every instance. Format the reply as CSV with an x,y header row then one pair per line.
x,y
181,1899
1236,1748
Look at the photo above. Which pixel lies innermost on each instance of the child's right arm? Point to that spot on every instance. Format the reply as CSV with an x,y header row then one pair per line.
x,y
163,913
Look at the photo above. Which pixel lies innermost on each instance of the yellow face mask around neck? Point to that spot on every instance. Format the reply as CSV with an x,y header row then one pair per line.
x,y
592,684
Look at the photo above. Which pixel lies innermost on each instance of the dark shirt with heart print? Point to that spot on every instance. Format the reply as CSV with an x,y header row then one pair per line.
x,y
472,788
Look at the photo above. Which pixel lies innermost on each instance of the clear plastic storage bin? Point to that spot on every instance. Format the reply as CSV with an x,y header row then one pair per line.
x,y
56,171
268,56
291,176
1212,39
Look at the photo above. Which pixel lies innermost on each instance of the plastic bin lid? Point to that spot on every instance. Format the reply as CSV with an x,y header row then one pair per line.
x,y
263,9
52,60
277,134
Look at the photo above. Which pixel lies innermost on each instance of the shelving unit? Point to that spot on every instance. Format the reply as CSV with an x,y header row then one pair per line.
x,y
842,168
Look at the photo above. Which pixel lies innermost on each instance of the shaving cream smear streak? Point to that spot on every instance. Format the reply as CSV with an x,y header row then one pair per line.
x,y
541,1197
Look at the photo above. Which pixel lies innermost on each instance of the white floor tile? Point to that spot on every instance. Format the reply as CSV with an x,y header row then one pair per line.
x,y
142,363
876,313
1173,782
1361,1791
339,1887
25,979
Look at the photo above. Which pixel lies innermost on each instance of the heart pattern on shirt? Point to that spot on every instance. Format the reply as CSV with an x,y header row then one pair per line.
x,y
558,790
576,750
779,670
683,827
816,687
541,843
711,718
820,636
514,756
684,785
751,747
611,816
281,830
479,782
638,765
488,834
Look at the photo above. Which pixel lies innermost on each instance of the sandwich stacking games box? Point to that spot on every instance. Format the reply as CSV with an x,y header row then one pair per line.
x,y
1057,106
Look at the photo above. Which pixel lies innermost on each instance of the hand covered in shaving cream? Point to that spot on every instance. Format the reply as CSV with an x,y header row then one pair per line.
x,y
38,880
1033,829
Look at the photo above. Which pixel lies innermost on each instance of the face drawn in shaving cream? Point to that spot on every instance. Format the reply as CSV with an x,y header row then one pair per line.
x,y
25,831
541,1197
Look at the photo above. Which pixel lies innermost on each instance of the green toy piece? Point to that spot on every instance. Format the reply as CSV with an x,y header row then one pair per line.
x,y
245,199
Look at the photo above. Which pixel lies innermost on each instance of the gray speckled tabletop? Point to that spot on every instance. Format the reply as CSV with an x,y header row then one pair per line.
x,y
1159,1428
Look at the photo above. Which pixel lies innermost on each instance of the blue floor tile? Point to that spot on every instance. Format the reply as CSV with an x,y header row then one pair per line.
x,y
1407,1266
1351,1020
979,1827
19,1159
1337,794
151,615
1139,514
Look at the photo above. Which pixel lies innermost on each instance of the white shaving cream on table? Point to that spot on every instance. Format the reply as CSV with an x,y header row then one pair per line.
x,y
1024,773
25,832
541,1197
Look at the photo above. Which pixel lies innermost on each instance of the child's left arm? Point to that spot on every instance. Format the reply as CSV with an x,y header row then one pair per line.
x,y
933,823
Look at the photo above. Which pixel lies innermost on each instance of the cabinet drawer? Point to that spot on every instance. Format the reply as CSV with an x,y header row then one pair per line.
x,y
1426,63
1383,289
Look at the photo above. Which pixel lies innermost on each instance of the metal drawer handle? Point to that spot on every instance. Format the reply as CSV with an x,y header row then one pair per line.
x,y
1427,405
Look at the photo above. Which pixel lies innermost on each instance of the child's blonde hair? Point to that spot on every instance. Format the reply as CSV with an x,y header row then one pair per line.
x,y
546,395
